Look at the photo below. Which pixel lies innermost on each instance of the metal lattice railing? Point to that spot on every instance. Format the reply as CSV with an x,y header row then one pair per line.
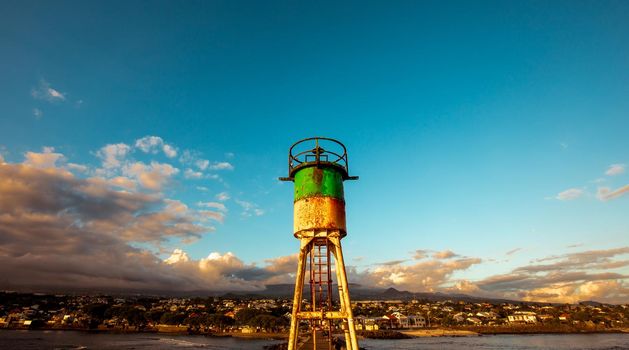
x,y
318,151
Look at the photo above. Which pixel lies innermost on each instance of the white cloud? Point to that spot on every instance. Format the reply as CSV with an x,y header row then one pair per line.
x,y
113,155
44,92
153,144
223,196
424,275
193,158
77,167
569,194
169,151
221,166
191,174
249,208
149,144
202,164
568,278
47,159
123,182
92,227
615,169
445,254
215,205
177,256
153,176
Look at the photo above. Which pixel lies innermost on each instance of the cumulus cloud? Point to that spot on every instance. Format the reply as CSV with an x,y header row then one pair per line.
x,y
202,164
48,158
445,254
586,275
573,277
149,143
122,182
169,151
569,194
615,169
177,256
58,229
228,272
191,174
151,176
154,144
62,225
45,92
113,155
425,275
424,253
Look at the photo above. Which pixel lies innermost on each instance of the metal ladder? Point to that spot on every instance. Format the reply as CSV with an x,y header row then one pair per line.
x,y
321,284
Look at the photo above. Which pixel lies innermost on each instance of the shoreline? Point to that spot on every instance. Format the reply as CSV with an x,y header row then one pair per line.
x,y
439,332
260,335
414,333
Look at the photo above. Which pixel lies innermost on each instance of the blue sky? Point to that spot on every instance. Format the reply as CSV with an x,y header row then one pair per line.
x,y
466,122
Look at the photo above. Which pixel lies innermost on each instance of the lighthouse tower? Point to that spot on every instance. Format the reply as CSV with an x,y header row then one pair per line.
x,y
318,167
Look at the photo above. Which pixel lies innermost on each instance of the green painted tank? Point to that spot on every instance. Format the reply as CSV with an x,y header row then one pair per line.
x,y
319,202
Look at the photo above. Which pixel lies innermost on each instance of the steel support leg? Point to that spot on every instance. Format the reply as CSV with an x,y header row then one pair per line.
x,y
344,292
299,287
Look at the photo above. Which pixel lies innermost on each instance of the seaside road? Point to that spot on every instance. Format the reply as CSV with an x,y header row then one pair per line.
x,y
316,342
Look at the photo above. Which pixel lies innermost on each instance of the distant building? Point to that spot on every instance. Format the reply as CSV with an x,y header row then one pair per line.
x,y
474,321
522,317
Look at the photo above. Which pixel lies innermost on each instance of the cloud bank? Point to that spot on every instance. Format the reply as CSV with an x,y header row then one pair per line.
x,y
71,225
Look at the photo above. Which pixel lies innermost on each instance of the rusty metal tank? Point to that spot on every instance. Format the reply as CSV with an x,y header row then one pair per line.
x,y
318,166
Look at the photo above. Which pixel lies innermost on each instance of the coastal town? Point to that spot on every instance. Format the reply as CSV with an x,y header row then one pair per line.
x,y
231,315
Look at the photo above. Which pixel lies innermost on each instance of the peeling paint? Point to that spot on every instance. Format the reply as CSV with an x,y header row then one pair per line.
x,y
319,213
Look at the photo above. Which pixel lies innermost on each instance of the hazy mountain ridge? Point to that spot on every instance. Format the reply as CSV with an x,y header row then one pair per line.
x,y
357,293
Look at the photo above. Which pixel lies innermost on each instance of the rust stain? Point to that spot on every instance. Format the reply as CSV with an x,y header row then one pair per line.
x,y
319,213
317,176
